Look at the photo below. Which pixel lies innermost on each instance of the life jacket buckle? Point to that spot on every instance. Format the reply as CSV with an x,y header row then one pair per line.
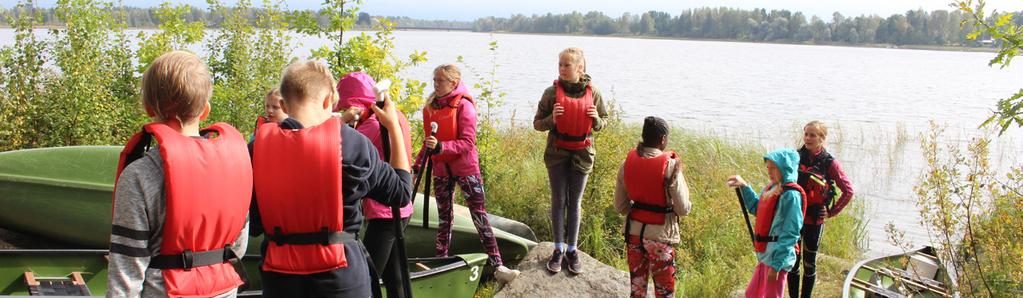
x,y
325,239
187,259
277,237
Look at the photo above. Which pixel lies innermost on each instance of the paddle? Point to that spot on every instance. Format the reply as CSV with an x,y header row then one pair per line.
x,y
427,171
745,215
406,283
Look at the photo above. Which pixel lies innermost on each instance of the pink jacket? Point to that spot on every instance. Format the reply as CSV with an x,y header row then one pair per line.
x,y
465,145
356,90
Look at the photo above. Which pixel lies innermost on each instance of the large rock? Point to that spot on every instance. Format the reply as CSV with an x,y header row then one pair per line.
x,y
597,280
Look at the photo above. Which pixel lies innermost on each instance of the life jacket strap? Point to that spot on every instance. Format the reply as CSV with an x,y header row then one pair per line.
x,y
570,138
652,208
762,238
189,259
323,237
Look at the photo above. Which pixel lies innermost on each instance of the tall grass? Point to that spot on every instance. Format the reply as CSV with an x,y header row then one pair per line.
x,y
715,256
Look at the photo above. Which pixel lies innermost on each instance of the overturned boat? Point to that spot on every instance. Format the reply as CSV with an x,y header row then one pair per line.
x,y
916,273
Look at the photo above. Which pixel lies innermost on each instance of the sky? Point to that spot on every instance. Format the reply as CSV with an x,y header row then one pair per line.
x,y
464,10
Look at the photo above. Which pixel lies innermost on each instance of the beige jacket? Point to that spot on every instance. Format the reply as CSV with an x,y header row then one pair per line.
x,y
678,192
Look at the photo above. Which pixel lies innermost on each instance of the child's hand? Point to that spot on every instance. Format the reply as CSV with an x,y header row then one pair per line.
x,y
592,112
388,116
558,110
736,181
352,114
772,274
431,142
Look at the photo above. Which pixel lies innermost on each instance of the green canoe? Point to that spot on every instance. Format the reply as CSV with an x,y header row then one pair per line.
x,y
456,276
64,193
917,273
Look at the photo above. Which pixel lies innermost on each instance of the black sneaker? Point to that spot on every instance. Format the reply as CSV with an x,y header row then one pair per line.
x,y
573,262
554,264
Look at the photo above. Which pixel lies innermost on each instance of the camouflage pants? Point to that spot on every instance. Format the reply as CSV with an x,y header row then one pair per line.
x,y
472,189
651,258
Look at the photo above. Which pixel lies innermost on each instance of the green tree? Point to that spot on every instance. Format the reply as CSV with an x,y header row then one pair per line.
x,y
21,79
370,53
1009,35
174,33
246,60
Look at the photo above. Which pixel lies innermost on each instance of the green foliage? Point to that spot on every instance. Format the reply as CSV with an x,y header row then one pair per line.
x,y
370,53
1009,36
246,60
491,97
21,79
971,211
85,97
175,33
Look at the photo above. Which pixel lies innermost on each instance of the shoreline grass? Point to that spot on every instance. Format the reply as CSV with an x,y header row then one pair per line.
x,y
714,258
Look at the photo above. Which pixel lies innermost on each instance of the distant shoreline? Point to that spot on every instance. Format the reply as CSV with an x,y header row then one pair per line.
x,y
871,45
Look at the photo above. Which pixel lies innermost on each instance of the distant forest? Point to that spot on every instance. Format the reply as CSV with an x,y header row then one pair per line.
x,y
136,17
915,27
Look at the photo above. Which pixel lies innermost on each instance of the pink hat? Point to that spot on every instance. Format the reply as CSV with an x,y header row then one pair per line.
x,y
355,89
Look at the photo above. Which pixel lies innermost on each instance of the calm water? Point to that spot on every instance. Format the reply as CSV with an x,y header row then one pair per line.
x,y
877,101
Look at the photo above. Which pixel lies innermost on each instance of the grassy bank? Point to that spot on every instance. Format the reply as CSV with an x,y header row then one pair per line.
x,y
715,257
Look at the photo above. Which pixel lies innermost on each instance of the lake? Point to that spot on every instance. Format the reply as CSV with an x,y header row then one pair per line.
x,y
876,101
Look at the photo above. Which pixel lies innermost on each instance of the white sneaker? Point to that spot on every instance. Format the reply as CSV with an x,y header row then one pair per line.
x,y
505,275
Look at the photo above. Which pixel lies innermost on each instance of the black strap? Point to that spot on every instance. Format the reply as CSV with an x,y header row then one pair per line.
x,y
762,238
323,237
189,259
570,138
652,208
140,148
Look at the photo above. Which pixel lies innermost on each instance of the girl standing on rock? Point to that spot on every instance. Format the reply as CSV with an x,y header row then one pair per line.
x,y
571,109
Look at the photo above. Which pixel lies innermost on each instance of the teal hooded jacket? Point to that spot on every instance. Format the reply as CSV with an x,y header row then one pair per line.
x,y
788,216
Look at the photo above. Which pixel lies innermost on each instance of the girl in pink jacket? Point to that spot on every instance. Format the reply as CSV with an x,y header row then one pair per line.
x,y
356,95
455,160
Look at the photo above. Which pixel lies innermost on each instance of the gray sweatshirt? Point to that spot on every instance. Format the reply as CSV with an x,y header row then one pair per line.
x,y
140,209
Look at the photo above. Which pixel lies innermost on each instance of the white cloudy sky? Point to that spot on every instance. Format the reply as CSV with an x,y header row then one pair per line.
x,y
470,10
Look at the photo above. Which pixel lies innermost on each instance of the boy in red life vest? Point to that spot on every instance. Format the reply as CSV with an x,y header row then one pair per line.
x,y
311,174
779,213
571,109
819,174
652,192
356,96
456,161
179,211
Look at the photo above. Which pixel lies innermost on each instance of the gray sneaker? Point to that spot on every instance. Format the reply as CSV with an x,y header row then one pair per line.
x,y
573,262
554,264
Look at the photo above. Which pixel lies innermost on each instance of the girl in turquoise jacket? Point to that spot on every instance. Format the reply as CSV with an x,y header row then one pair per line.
x,y
775,242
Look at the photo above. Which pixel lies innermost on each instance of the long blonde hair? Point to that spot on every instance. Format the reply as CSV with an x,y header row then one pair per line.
x,y
452,73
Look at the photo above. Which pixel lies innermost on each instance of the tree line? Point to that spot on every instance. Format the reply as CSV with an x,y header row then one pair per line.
x,y
915,27
139,17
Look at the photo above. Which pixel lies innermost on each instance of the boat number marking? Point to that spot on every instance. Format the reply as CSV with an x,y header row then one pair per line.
x,y
475,273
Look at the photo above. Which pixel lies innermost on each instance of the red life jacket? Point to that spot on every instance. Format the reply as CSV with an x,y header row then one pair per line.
x,y
573,128
765,216
645,183
814,180
297,175
208,187
446,118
